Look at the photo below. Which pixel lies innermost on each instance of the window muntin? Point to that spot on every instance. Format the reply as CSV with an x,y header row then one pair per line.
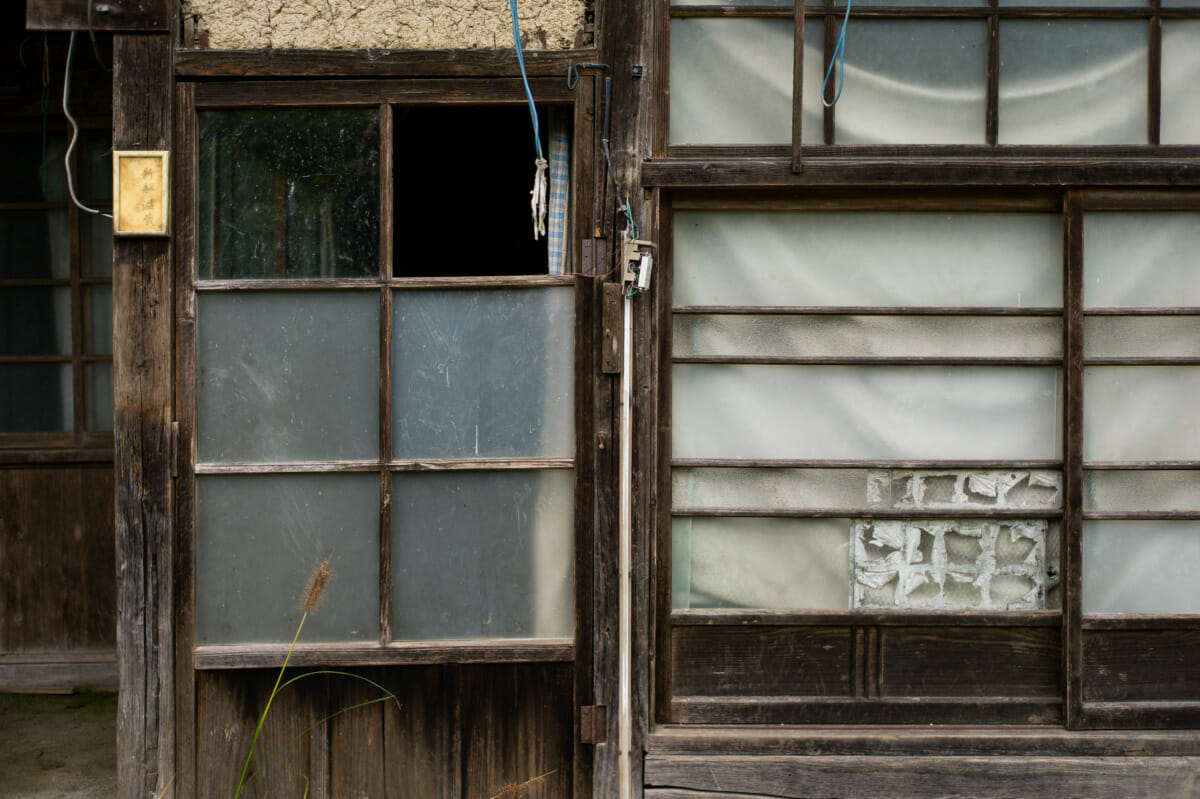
x,y
380,419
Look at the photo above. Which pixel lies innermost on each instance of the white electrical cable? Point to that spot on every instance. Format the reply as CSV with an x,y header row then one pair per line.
x,y
74,133
624,557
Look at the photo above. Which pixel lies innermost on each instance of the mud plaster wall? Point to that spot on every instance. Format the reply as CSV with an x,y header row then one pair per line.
x,y
391,24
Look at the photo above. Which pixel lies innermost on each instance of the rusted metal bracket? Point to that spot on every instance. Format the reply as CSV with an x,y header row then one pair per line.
x,y
593,724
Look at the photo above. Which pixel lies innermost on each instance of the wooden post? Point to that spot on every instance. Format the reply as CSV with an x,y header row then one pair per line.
x,y
142,368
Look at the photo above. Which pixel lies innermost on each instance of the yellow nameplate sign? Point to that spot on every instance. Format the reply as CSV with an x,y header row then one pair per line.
x,y
141,196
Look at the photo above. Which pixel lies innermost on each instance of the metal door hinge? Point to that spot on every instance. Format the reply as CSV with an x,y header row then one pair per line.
x,y
174,455
593,724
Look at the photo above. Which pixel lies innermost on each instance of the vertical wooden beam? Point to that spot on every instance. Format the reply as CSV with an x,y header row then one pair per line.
x,y
1072,532
829,88
1154,77
142,368
992,105
798,87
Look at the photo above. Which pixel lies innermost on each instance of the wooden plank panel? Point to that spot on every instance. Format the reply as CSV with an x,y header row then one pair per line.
x,y
850,710
921,778
778,661
372,63
357,756
517,736
970,661
57,549
1141,665
419,757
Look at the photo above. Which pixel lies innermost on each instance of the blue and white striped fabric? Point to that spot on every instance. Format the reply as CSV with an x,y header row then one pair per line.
x,y
560,188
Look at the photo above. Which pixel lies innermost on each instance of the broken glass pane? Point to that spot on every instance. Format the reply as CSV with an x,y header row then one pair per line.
x,y
910,259
484,373
1141,259
1180,66
260,537
914,82
288,376
1130,490
1141,566
760,563
1141,413
853,412
483,554
289,193
867,336
1073,82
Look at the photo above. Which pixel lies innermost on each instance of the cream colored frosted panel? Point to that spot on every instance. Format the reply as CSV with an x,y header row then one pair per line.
x,y
731,81
1141,413
1141,260
851,412
1141,337
1141,566
913,82
1180,69
761,563
855,489
259,539
933,259
1152,490
867,336
1073,82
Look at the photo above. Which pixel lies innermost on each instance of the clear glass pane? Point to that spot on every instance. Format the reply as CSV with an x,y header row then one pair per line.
x,y
731,81
96,245
35,321
1141,260
35,245
853,412
913,82
36,398
483,555
1073,82
259,540
483,373
289,193
98,320
1152,490
761,563
99,377
95,166
857,489
867,336
1141,413
773,258
32,167
1141,336
1141,567
1180,65
288,376
953,564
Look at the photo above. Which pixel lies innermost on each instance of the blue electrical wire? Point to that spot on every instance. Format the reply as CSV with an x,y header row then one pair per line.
x,y
839,55
537,136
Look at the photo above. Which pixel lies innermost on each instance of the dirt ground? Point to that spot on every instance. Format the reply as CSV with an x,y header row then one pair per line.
x,y
58,747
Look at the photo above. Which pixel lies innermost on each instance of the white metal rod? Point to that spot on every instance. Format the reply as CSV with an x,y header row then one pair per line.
x,y
625,533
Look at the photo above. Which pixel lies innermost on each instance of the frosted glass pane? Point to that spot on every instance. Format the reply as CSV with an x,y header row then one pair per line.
x,y
1141,413
1152,490
1140,260
850,412
759,3
289,193
913,82
32,167
867,336
260,537
1141,336
98,320
731,81
1073,82
483,373
37,244
855,259
36,398
288,376
760,563
99,380
35,321
1141,567
1180,69
483,555
856,489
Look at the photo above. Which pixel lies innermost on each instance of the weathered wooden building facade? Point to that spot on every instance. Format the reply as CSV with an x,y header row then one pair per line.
x,y
877,478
